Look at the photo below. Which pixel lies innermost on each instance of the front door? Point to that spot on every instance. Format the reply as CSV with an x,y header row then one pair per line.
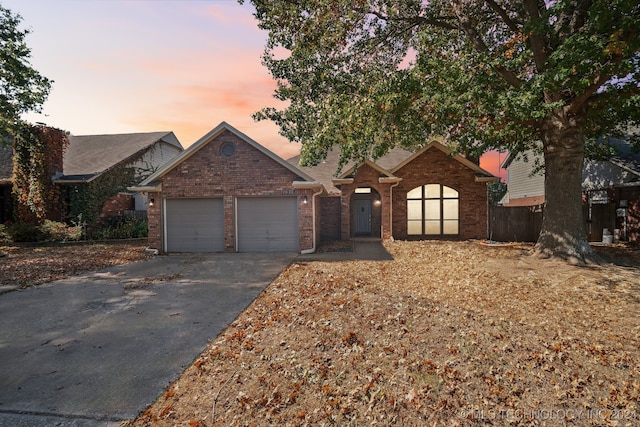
x,y
363,216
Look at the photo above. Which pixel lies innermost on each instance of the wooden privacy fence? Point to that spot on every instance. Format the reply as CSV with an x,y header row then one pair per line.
x,y
523,223
515,224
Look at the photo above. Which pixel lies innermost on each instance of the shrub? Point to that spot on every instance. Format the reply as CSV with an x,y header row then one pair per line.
x,y
54,231
121,228
49,231
5,236
26,232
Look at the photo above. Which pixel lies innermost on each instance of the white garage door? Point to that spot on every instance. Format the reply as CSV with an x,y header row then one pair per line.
x,y
267,224
194,225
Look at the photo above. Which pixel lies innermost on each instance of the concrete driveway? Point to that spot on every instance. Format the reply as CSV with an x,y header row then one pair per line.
x,y
99,348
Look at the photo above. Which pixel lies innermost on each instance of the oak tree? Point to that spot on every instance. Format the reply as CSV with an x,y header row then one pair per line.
x,y
369,75
22,88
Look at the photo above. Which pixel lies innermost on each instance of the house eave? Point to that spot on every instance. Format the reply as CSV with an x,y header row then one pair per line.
x,y
307,185
74,181
211,135
342,181
150,188
486,178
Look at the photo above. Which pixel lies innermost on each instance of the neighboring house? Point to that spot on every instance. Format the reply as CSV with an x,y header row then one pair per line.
x,y
228,193
611,190
96,161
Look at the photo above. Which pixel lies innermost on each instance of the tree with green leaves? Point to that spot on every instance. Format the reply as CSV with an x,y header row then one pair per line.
x,y
22,88
369,75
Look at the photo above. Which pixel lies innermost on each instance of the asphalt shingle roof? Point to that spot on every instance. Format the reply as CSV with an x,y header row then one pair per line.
x,y
326,170
89,155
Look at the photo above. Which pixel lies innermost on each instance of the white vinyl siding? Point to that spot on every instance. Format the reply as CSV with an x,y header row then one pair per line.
x,y
521,183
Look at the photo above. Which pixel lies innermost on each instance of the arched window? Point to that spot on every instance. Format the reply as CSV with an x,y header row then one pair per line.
x,y
432,210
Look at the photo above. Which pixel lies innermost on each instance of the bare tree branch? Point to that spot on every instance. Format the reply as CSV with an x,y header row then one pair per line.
x,y
416,20
536,41
578,102
475,38
503,14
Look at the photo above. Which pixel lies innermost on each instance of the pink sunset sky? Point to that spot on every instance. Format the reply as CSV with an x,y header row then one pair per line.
x,y
142,66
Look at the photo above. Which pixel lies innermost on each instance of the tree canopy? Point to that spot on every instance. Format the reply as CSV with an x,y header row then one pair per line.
x,y
22,88
369,75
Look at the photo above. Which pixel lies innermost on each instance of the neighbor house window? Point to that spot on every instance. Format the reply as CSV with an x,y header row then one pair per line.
x,y
432,210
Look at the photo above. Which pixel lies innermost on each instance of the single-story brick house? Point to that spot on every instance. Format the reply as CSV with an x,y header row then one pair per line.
x,y
228,193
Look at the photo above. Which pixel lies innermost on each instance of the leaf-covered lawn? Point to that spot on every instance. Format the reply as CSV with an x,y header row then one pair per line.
x,y
446,334
25,266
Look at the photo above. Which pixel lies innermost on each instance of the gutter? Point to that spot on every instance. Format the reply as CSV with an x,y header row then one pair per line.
x,y
320,187
150,188
394,181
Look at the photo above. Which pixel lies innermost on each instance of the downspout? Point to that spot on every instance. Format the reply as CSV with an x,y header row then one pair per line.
x,y
313,223
391,209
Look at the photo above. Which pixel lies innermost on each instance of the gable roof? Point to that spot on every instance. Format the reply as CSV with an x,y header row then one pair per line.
x,y
89,156
391,162
151,183
625,156
481,174
325,171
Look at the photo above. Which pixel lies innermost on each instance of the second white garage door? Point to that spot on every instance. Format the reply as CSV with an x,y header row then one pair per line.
x,y
267,224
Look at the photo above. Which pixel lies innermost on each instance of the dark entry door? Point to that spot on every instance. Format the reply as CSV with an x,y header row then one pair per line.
x,y
363,216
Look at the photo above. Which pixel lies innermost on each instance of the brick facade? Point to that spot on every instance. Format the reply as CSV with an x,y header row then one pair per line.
x,y
205,171
435,167
248,172
432,166
329,223
368,177
116,205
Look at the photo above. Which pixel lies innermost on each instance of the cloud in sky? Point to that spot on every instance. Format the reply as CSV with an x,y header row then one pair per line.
x,y
137,66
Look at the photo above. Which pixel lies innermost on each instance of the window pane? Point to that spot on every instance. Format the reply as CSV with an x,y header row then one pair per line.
x,y
450,209
416,193
432,191
450,227
432,209
432,227
414,227
414,209
449,192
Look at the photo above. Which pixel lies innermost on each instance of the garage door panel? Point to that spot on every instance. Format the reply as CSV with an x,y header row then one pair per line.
x,y
195,225
268,224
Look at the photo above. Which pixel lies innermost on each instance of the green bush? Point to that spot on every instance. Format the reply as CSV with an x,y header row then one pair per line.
x,y
49,231
54,231
5,236
26,232
121,228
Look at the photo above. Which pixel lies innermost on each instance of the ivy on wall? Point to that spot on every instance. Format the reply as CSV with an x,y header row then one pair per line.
x,y
87,200
38,153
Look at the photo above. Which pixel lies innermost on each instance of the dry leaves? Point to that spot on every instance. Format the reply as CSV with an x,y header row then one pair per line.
x,y
25,266
446,334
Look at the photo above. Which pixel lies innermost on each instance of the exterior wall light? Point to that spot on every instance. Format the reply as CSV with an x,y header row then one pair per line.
x,y
304,200
151,202
377,202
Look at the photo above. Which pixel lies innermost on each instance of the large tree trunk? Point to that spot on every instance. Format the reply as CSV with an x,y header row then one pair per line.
x,y
563,230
